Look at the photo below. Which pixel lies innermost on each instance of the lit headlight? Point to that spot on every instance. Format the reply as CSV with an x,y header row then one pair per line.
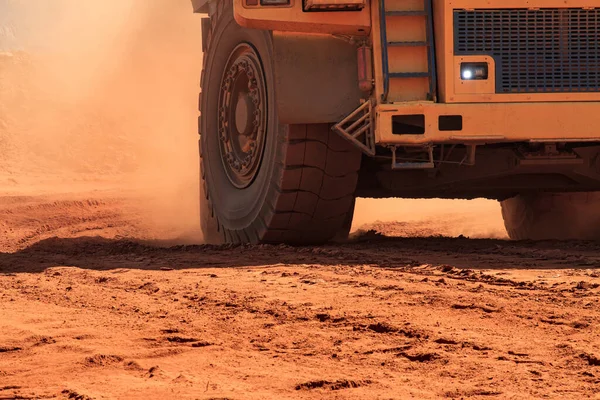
x,y
472,71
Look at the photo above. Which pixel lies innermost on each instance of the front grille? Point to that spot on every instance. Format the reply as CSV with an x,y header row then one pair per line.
x,y
535,51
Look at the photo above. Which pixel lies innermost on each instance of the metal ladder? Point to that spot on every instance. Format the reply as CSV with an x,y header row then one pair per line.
x,y
427,13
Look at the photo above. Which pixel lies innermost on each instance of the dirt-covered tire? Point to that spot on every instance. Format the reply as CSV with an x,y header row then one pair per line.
x,y
298,187
560,216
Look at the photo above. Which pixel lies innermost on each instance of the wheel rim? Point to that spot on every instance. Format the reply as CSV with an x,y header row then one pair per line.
x,y
242,116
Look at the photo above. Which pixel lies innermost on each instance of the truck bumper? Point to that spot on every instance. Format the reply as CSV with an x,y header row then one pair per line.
x,y
486,123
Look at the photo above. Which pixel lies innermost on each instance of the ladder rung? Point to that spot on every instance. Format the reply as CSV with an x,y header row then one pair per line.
x,y
409,74
404,13
407,44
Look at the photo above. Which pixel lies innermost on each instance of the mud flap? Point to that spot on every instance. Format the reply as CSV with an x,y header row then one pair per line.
x,y
316,78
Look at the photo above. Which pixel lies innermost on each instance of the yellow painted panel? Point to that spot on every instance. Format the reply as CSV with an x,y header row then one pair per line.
x,y
406,28
408,89
495,123
408,59
404,5
293,19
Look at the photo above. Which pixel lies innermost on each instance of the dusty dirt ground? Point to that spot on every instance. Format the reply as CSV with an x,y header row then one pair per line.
x,y
106,291
87,314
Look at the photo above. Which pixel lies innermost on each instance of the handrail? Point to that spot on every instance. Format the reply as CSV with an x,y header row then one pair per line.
x,y
431,57
384,51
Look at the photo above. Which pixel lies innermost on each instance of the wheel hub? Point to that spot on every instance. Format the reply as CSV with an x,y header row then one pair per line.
x,y
242,116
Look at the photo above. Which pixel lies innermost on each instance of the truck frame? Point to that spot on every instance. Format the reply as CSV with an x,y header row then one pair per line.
x,y
307,104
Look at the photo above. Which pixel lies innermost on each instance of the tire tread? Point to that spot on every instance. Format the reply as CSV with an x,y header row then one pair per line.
x,y
311,195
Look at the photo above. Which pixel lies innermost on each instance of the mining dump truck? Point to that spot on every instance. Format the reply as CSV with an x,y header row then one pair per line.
x,y
307,104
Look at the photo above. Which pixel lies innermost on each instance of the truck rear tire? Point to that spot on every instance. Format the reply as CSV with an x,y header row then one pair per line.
x,y
262,181
560,216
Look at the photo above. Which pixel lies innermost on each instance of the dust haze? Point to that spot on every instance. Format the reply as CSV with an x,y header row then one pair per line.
x,y
103,96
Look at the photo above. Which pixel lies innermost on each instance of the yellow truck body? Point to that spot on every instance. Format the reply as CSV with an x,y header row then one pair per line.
x,y
461,98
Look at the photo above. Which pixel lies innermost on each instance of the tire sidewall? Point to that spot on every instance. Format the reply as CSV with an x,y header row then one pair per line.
x,y
237,208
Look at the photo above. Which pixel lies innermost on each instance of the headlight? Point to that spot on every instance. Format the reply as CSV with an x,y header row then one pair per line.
x,y
472,71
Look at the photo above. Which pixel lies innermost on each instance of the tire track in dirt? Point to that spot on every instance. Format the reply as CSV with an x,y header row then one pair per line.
x,y
26,220
421,317
315,327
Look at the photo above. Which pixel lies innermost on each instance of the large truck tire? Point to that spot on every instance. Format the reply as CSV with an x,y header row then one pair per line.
x,y
263,181
546,216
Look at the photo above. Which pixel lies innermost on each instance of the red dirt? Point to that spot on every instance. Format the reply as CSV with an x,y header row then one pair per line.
x,y
379,317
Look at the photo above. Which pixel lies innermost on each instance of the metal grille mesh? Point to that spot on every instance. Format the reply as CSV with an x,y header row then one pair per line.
x,y
536,51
